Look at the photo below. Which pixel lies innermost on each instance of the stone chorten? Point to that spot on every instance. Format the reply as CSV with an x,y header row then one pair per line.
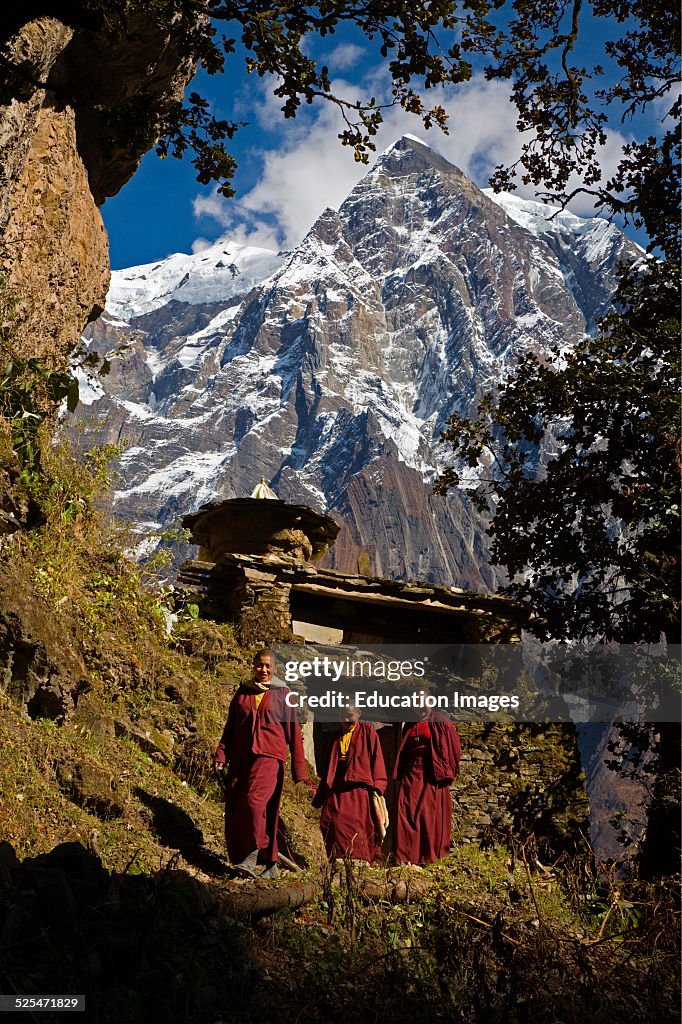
x,y
260,525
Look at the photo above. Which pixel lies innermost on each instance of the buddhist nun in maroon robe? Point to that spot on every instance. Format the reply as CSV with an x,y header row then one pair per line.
x,y
353,771
426,765
260,728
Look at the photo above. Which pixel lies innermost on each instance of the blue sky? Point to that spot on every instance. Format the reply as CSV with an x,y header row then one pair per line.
x,y
289,170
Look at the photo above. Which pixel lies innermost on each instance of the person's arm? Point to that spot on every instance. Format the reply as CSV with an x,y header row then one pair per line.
x,y
455,748
292,732
446,749
322,792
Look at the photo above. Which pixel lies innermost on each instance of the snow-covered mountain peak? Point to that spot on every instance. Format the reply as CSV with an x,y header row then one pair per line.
x,y
403,143
217,273
332,370
544,218
410,154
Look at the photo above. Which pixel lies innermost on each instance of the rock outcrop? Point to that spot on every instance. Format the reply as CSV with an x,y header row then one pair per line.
x,y
36,668
72,132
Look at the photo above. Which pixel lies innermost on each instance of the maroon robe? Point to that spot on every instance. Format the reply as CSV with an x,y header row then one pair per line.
x,y
426,765
254,746
345,795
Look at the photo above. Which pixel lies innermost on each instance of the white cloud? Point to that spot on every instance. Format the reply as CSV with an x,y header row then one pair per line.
x,y
310,170
199,244
343,56
662,105
214,207
609,158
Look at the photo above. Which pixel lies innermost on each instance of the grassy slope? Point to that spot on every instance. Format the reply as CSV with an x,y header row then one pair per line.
x,y
144,732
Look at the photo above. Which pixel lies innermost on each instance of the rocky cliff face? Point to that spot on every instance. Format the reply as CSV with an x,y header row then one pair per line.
x,y
67,82
335,375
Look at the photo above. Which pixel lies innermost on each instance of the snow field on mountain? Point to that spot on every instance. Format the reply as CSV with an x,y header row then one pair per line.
x,y
212,275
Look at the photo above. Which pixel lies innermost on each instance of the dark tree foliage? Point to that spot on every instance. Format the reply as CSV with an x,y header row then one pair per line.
x,y
561,103
589,533
576,463
575,458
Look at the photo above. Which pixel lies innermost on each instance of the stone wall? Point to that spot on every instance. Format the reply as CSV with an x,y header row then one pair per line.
x,y
523,778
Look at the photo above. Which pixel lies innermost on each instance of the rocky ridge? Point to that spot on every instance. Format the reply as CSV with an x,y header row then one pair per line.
x,y
335,375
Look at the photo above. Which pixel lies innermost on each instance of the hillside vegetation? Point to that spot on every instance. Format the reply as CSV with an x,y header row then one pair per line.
x,y
113,878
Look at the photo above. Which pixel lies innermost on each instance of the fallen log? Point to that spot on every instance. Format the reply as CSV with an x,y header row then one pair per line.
x,y
260,901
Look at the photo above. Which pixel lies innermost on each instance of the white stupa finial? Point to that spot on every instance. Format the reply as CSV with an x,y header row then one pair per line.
x,y
262,490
